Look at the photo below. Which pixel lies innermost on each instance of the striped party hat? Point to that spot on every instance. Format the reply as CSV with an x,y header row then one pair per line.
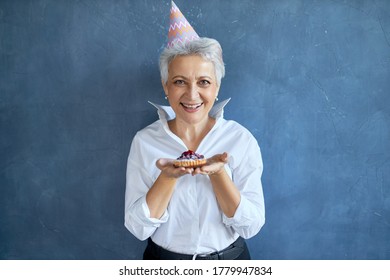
x,y
180,30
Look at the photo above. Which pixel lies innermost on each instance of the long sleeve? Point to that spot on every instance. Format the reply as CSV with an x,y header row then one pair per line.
x,y
250,214
138,182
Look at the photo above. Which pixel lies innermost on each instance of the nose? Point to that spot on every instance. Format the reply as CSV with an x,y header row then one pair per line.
x,y
193,91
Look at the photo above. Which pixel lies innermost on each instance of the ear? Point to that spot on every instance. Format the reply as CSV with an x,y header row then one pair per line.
x,y
164,85
217,92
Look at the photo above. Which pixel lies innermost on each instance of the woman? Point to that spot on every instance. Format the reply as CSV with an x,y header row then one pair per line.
x,y
204,212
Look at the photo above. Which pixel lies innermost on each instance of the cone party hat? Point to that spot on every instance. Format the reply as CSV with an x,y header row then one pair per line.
x,y
180,30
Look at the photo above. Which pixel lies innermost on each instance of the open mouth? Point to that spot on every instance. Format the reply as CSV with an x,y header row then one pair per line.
x,y
191,106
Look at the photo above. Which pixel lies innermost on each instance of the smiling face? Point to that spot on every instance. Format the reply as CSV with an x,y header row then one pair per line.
x,y
191,88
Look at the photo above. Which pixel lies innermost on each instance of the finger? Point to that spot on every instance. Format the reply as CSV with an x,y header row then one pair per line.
x,y
225,157
183,170
189,170
197,171
177,171
160,163
163,162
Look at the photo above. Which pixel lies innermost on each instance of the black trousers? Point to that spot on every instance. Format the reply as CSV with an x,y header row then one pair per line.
x,y
238,250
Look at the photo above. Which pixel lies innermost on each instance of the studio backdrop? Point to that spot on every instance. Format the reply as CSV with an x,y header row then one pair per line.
x,y
309,79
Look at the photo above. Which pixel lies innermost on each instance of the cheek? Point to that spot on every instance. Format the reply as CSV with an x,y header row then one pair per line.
x,y
172,91
211,94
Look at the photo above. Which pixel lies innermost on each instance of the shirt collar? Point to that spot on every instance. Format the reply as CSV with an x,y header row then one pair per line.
x,y
166,113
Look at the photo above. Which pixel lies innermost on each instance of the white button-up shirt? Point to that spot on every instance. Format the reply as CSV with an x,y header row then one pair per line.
x,y
193,223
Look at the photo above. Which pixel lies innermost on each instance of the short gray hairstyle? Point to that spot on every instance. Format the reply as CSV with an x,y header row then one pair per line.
x,y
209,49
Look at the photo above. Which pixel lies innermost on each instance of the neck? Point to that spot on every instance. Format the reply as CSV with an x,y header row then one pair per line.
x,y
191,134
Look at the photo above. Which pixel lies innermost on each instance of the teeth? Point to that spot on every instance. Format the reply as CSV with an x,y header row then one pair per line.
x,y
191,106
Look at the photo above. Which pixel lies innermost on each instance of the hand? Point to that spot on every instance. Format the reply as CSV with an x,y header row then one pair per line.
x,y
213,166
166,166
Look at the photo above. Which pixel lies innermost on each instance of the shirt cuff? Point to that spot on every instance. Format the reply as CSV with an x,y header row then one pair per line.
x,y
239,219
147,220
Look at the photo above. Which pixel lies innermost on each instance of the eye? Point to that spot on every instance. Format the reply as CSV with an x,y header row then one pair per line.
x,y
179,82
204,82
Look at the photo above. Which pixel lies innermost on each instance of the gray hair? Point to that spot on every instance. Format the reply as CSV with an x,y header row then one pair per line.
x,y
208,49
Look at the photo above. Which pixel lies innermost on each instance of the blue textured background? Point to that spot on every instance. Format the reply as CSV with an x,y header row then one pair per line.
x,y
310,79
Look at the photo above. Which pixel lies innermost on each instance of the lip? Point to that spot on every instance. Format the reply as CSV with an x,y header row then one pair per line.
x,y
191,108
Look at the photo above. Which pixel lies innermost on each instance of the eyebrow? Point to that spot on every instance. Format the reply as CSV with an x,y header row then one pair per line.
x,y
208,77
178,76
185,78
